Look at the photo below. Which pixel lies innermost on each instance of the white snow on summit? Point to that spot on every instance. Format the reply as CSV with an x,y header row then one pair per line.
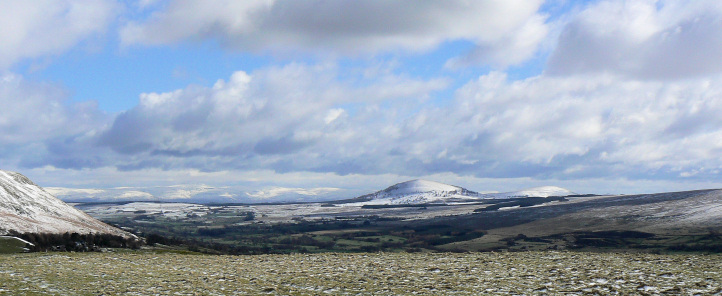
x,y
423,192
25,207
416,186
418,192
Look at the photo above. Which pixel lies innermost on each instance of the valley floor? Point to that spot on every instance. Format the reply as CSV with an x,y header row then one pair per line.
x,y
569,273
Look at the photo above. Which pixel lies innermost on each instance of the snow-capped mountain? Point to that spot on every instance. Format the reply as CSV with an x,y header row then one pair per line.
x,y
419,192
25,207
542,191
424,192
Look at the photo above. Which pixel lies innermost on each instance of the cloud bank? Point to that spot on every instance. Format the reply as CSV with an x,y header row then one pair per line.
x,y
541,127
642,39
505,32
629,90
33,29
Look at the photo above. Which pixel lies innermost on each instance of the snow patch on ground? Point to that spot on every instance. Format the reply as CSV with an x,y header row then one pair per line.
x,y
542,191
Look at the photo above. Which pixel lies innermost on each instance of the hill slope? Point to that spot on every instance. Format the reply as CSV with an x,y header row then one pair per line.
x,y
542,191
25,207
425,192
418,192
688,220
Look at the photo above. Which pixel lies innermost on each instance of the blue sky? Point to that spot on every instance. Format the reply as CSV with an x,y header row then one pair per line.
x,y
260,100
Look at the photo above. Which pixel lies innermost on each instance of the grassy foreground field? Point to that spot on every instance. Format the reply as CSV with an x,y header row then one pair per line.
x,y
552,273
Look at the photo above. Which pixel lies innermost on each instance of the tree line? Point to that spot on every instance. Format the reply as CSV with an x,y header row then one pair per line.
x,y
75,242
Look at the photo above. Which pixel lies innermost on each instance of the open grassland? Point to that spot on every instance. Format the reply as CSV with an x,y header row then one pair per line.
x,y
10,245
568,273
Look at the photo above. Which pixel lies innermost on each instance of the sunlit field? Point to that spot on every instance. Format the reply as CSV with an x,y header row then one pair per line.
x,y
569,273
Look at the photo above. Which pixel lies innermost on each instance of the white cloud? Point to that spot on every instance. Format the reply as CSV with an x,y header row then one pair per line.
x,y
333,114
228,195
37,123
186,192
33,29
145,4
539,127
646,39
276,191
608,125
134,195
253,120
632,93
20,99
85,194
514,48
506,32
60,191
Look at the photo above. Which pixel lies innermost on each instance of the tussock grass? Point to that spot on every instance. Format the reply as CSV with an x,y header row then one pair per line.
x,y
145,273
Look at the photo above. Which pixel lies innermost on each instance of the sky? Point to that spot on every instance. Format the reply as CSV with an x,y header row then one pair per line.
x,y
305,100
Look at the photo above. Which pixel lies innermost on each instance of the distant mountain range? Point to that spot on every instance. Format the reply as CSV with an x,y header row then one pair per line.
x,y
25,207
414,191
426,192
194,193
540,217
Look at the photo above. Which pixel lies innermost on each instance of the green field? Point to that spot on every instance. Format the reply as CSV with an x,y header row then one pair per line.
x,y
235,235
10,245
151,273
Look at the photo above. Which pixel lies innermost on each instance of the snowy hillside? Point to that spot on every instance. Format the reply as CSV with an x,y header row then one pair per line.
x,y
543,191
418,192
423,192
25,207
